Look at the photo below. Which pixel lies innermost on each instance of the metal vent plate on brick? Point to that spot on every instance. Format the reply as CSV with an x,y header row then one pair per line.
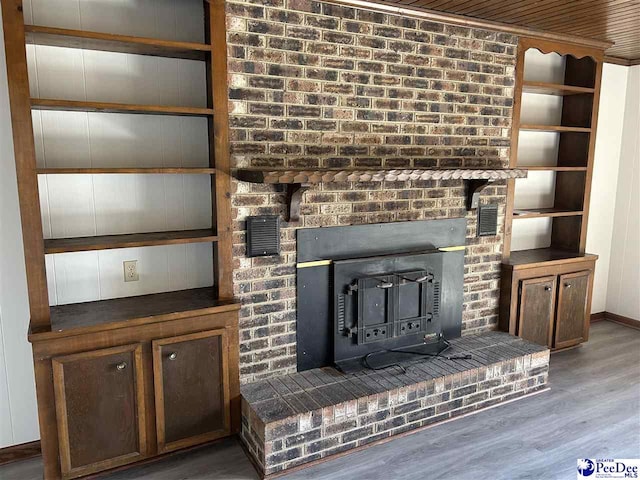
x,y
263,235
487,220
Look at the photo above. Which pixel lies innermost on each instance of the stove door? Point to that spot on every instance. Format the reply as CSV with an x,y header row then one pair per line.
x,y
385,303
415,302
376,308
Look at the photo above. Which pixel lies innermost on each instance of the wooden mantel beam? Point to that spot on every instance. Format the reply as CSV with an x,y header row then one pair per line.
x,y
315,177
299,181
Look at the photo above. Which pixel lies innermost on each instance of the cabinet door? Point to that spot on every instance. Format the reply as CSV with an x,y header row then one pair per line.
x,y
571,319
100,409
537,301
191,389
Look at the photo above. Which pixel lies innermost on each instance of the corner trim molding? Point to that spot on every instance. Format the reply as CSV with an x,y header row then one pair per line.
x,y
625,62
15,453
615,318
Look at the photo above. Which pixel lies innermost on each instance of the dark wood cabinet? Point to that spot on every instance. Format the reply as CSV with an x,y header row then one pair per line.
x,y
133,392
548,301
537,304
100,411
191,389
571,321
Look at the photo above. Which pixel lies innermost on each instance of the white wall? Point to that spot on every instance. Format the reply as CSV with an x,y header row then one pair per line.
x,y
18,417
623,292
605,176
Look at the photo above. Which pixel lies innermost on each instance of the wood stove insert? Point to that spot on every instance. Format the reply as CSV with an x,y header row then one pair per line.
x,y
376,290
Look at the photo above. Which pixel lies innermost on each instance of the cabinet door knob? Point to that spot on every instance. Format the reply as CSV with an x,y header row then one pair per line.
x,y
121,366
173,356
547,288
567,285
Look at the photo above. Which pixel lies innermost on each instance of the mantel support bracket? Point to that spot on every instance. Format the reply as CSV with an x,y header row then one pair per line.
x,y
472,191
294,200
298,181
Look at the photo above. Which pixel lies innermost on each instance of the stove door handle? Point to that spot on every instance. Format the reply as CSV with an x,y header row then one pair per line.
x,y
385,285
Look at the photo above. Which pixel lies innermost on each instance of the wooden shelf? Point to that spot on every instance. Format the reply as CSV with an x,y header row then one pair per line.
x,y
552,168
554,128
554,88
91,317
126,170
530,258
77,106
110,242
62,37
543,213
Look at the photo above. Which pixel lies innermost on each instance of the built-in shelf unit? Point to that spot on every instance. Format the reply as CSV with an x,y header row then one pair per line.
x,y
553,137
63,81
547,278
38,35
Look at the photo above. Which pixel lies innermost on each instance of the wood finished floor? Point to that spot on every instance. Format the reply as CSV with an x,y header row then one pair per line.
x,y
592,410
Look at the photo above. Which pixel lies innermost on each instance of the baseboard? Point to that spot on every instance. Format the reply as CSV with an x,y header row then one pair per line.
x,y
155,459
612,317
19,452
629,322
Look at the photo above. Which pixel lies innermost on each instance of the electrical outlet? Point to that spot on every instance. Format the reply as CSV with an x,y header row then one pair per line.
x,y
131,271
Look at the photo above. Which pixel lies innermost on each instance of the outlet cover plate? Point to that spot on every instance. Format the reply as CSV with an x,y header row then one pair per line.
x,y
131,271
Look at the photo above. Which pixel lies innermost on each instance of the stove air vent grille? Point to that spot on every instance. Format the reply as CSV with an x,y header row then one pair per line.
x,y
263,236
487,220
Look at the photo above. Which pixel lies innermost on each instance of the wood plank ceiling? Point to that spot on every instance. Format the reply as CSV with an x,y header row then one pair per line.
x,y
616,21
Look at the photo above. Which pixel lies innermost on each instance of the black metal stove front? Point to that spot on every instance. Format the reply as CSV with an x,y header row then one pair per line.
x,y
385,302
376,290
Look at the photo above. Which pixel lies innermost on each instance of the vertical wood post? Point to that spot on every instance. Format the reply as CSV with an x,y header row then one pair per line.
x,y
25,157
592,152
513,152
215,34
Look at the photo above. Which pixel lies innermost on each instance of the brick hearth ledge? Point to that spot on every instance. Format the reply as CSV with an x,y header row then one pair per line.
x,y
303,417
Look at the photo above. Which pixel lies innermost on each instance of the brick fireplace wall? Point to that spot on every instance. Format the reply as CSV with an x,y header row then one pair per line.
x,y
315,85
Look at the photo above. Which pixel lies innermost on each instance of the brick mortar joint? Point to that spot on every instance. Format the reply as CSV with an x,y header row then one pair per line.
x,y
526,371
387,431
368,72
342,19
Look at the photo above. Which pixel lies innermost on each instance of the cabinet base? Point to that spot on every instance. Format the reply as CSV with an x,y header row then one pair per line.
x,y
60,436
564,349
